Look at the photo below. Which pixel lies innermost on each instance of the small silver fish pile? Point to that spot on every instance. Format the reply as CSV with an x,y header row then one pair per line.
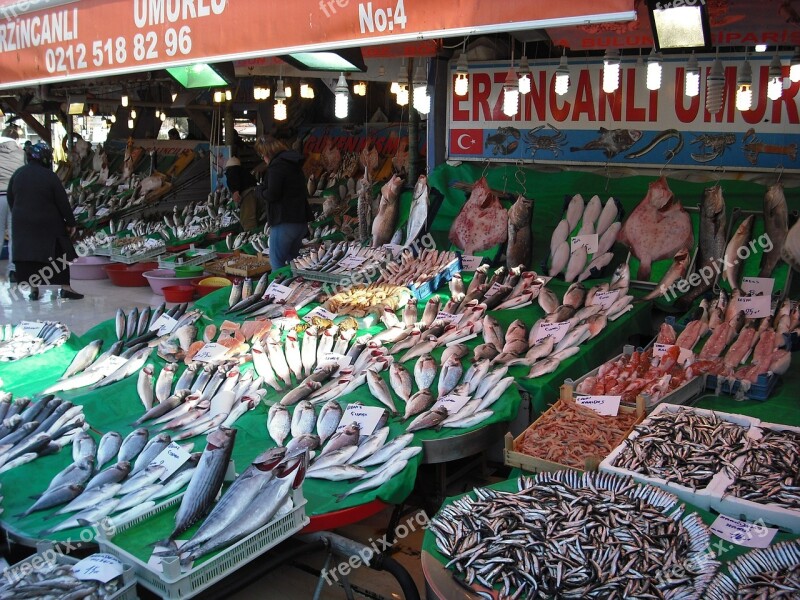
x,y
772,572
263,299
684,447
407,269
30,429
258,240
136,246
771,470
55,580
342,257
217,397
573,535
16,343
126,489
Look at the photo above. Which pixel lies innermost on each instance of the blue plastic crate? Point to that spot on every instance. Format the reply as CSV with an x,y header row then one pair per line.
x,y
760,390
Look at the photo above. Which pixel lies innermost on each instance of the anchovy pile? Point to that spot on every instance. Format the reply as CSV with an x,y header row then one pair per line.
x,y
684,447
771,470
15,343
263,299
572,535
258,240
772,572
30,429
55,580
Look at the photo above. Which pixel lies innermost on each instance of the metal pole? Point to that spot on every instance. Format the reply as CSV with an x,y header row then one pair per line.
x,y
413,128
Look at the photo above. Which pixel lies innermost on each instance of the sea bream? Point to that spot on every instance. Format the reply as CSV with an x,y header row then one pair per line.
x,y
657,228
482,222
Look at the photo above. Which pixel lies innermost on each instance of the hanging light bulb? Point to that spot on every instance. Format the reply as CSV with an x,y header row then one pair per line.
x,y
342,97
394,87
133,113
287,90
794,66
228,95
91,111
691,82
462,75
124,100
761,47
653,71
113,118
775,85
715,88
402,95
611,67
744,87
360,88
562,77
279,110
163,116
511,93
130,123
524,82
306,91
218,96
420,98
261,93
174,94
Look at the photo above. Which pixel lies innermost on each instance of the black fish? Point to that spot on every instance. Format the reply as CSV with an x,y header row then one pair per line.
x,y
612,141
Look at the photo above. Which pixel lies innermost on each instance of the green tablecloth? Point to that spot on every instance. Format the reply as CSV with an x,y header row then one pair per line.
x,y
725,551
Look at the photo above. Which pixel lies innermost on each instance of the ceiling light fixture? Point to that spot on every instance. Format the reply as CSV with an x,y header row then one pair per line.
x,y
653,71
794,66
124,100
511,93
562,77
130,123
360,88
133,113
715,88
218,96
279,112
402,95
461,87
761,47
306,91
691,82
524,82
342,98
228,95
775,84
611,68
744,87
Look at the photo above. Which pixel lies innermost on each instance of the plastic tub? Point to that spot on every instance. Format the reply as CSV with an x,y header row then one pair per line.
x,y
88,267
189,271
129,275
161,278
178,293
211,284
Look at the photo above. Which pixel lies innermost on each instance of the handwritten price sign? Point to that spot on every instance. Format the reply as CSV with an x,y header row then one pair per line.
x,y
588,241
755,307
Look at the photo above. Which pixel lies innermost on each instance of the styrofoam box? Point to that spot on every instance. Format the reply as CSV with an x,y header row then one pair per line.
x,y
189,583
747,510
126,592
702,497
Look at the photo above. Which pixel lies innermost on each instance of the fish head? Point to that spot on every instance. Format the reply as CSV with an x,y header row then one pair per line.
x,y
220,438
266,461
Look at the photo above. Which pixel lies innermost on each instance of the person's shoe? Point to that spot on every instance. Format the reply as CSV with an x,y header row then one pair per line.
x,y
70,294
12,277
34,295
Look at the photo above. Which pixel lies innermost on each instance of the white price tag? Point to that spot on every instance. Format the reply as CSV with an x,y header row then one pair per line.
x,y
210,353
278,291
555,330
98,567
602,405
452,402
449,317
755,307
470,263
351,262
319,312
605,299
171,457
661,349
394,249
758,285
31,328
589,241
335,358
154,562
493,290
111,364
367,418
743,533
163,324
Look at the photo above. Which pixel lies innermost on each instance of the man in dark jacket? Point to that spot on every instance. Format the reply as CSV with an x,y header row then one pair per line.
x,y
42,223
11,159
285,193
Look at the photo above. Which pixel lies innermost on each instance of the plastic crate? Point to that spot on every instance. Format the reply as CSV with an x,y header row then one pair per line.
x,y
430,286
347,278
176,585
127,592
180,259
701,497
760,390
139,257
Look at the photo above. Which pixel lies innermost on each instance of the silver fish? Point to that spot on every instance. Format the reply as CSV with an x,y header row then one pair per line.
x,y
164,382
308,350
388,451
380,390
86,517
419,402
346,437
91,497
55,497
129,368
144,386
141,479
449,376
418,213
400,379
303,419
292,352
108,448
370,445
428,420
83,358
328,420
425,371
152,449
113,474
392,469
132,324
337,457
132,444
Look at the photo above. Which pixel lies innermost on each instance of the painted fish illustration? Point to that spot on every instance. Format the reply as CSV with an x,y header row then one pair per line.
x,y
612,141
660,137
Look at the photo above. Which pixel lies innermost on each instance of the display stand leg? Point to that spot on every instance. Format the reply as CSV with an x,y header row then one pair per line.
x,y
321,581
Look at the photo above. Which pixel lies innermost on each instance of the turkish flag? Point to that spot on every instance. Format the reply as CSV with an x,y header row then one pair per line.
x,y
466,141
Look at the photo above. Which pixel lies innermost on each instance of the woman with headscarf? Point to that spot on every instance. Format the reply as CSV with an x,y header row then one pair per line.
x,y
42,224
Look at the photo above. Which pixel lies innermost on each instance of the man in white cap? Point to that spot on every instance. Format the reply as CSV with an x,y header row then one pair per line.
x,y
12,158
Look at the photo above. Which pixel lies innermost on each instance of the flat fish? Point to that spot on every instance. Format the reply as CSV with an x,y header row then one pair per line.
x,y
482,222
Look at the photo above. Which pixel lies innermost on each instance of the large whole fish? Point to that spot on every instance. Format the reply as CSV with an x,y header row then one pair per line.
x,y
83,358
733,263
657,228
418,214
520,238
482,222
676,271
388,211
364,206
713,225
776,227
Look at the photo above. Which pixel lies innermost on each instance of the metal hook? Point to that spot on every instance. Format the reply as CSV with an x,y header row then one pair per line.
x,y
485,167
720,171
608,175
780,174
664,166
520,178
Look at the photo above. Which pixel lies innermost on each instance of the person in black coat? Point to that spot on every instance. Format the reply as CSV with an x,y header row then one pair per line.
x,y
285,194
42,223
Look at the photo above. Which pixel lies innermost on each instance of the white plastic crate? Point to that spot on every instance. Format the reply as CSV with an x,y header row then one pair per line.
x,y
748,510
176,585
138,257
180,259
701,497
126,592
